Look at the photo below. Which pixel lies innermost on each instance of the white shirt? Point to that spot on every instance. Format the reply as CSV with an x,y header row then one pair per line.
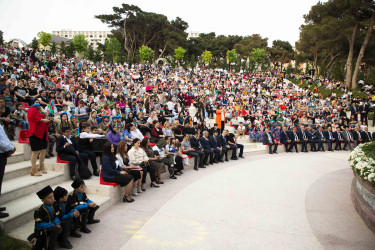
x,y
85,135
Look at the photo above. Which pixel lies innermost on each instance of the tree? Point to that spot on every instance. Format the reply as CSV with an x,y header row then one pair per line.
x,y
112,49
179,53
53,48
63,48
258,58
70,50
90,53
79,43
44,38
232,56
206,56
1,37
281,53
145,53
246,45
34,44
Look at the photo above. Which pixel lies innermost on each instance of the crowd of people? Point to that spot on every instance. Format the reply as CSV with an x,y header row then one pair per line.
x,y
140,113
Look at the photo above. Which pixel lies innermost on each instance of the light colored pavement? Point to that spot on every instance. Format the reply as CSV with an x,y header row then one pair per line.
x,y
285,201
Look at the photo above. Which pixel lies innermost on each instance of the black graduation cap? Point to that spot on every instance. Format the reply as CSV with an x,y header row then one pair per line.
x,y
77,183
59,192
44,192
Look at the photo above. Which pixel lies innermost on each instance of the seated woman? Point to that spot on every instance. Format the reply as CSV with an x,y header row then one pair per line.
x,y
135,133
123,163
113,136
177,130
111,173
156,132
167,130
138,158
154,160
166,156
93,122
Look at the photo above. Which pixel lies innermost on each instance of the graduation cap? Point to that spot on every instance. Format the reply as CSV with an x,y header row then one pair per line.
x,y
77,183
44,192
59,192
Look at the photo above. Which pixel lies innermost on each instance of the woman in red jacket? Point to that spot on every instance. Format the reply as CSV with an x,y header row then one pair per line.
x,y
38,137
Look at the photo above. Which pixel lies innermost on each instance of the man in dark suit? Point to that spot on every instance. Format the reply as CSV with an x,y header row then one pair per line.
x,y
295,139
329,138
354,111
357,137
347,138
366,135
208,152
196,145
67,149
364,109
269,140
232,141
303,139
338,138
222,142
319,138
311,137
284,139
215,145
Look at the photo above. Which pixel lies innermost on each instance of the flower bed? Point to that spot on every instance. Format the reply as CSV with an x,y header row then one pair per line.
x,y
362,161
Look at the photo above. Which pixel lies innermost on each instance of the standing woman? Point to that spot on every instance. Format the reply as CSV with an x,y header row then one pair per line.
x,y
38,133
111,173
220,118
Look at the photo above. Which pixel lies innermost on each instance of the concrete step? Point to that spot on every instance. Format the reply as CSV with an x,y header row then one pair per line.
x,y
16,157
21,186
20,223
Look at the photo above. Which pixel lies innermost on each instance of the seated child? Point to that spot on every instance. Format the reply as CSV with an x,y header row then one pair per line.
x,y
47,221
78,200
20,116
241,130
61,197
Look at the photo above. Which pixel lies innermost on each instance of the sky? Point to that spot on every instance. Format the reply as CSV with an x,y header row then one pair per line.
x,y
274,19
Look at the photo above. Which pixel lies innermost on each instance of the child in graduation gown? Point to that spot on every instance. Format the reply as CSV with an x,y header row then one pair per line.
x,y
78,200
61,197
47,221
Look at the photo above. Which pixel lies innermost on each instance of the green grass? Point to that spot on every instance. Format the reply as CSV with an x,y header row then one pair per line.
x,y
326,92
8,243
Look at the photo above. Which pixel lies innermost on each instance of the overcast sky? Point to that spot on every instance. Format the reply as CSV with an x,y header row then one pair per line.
x,y
275,19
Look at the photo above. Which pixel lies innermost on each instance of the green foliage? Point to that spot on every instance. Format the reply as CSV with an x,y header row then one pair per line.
x,y
62,48
112,49
70,50
179,53
1,37
53,48
206,56
232,56
145,53
258,57
249,43
79,43
10,243
90,53
44,38
34,44
281,53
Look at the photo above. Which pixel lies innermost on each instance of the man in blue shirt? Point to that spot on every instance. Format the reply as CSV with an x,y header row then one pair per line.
x,y
6,150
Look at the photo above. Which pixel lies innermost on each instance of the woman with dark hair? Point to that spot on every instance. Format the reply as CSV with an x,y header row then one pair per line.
x,y
155,161
38,133
139,158
111,173
123,163
156,132
6,120
113,136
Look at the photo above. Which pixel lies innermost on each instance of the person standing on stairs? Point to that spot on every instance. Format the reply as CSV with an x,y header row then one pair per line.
x,y
6,150
38,136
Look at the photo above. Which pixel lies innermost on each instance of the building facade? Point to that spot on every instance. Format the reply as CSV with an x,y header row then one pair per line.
x,y
93,37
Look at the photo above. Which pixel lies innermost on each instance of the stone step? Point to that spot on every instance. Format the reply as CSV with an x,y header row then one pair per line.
x,y
16,157
21,186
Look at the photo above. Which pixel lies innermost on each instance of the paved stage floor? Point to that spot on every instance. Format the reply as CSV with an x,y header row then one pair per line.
x,y
284,201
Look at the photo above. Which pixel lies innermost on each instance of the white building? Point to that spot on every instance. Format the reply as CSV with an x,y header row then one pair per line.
x,y
93,37
193,34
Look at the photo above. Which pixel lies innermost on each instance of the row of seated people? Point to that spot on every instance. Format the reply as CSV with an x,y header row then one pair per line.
x,y
316,138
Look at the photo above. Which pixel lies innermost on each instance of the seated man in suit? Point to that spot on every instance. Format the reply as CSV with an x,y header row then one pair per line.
x,y
223,144
319,138
329,138
208,151
311,136
217,148
338,138
232,140
303,139
196,145
366,135
270,140
347,138
67,149
284,139
357,136
295,139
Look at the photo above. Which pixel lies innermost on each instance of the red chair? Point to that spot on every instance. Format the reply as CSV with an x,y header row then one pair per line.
x,y
152,144
58,160
23,136
102,182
